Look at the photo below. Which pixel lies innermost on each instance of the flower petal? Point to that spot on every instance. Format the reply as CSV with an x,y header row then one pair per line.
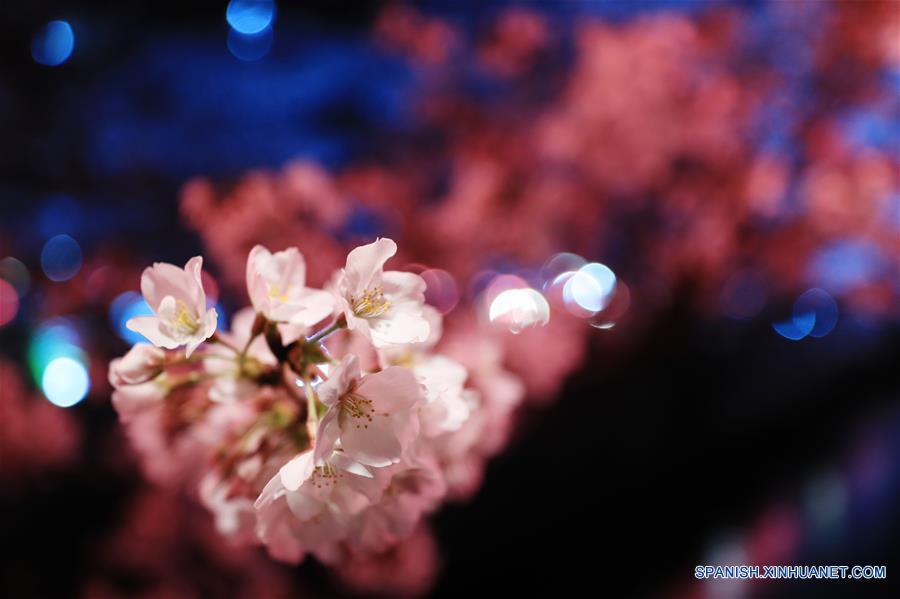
x,y
399,327
256,284
305,507
295,472
148,326
407,285
327,435
311,307
391,390
367,261
373,444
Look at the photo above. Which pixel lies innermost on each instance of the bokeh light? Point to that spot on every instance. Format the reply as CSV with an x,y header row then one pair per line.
x,y
744,295
847,264
55,338
554,291
61,258
53,44
250,16
481,281
819,302
797,327
518,309
500,283
615,308
590,287
815,314
441,291
16,274
9,302
250,47
65,382
559,264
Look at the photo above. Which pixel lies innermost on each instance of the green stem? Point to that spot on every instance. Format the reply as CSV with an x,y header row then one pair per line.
x,y
312,413
338,324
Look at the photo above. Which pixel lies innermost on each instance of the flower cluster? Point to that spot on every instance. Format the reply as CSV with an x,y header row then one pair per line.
x,y
325,422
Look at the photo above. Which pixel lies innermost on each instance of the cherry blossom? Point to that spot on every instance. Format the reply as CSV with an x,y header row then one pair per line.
x,y
129,400
372,416
282,434
277,287
446,405
178,301
416,487
235,373
306,507
141,364
385,306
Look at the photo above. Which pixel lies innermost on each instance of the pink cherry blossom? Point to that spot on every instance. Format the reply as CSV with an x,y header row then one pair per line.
x,y
385,306
141,364
235,373
262,437
373,416
416,488
446,405
234,515
277,287
410,353
130,400
178,301
306,507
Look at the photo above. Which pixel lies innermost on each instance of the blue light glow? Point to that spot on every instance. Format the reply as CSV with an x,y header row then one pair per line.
x,y
61,258
65,382
250,47
59,214
823,306
847,264
222,321
590,287
53,44
815,314
55,338
250,16
796,328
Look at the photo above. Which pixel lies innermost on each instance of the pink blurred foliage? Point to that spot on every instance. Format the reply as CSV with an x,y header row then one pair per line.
x,y
165,546
408,569
35,436
652,120
296,207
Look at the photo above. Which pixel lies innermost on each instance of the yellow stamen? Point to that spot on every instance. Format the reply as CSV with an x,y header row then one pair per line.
x,y
184,321
275,292
325,475
370,304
